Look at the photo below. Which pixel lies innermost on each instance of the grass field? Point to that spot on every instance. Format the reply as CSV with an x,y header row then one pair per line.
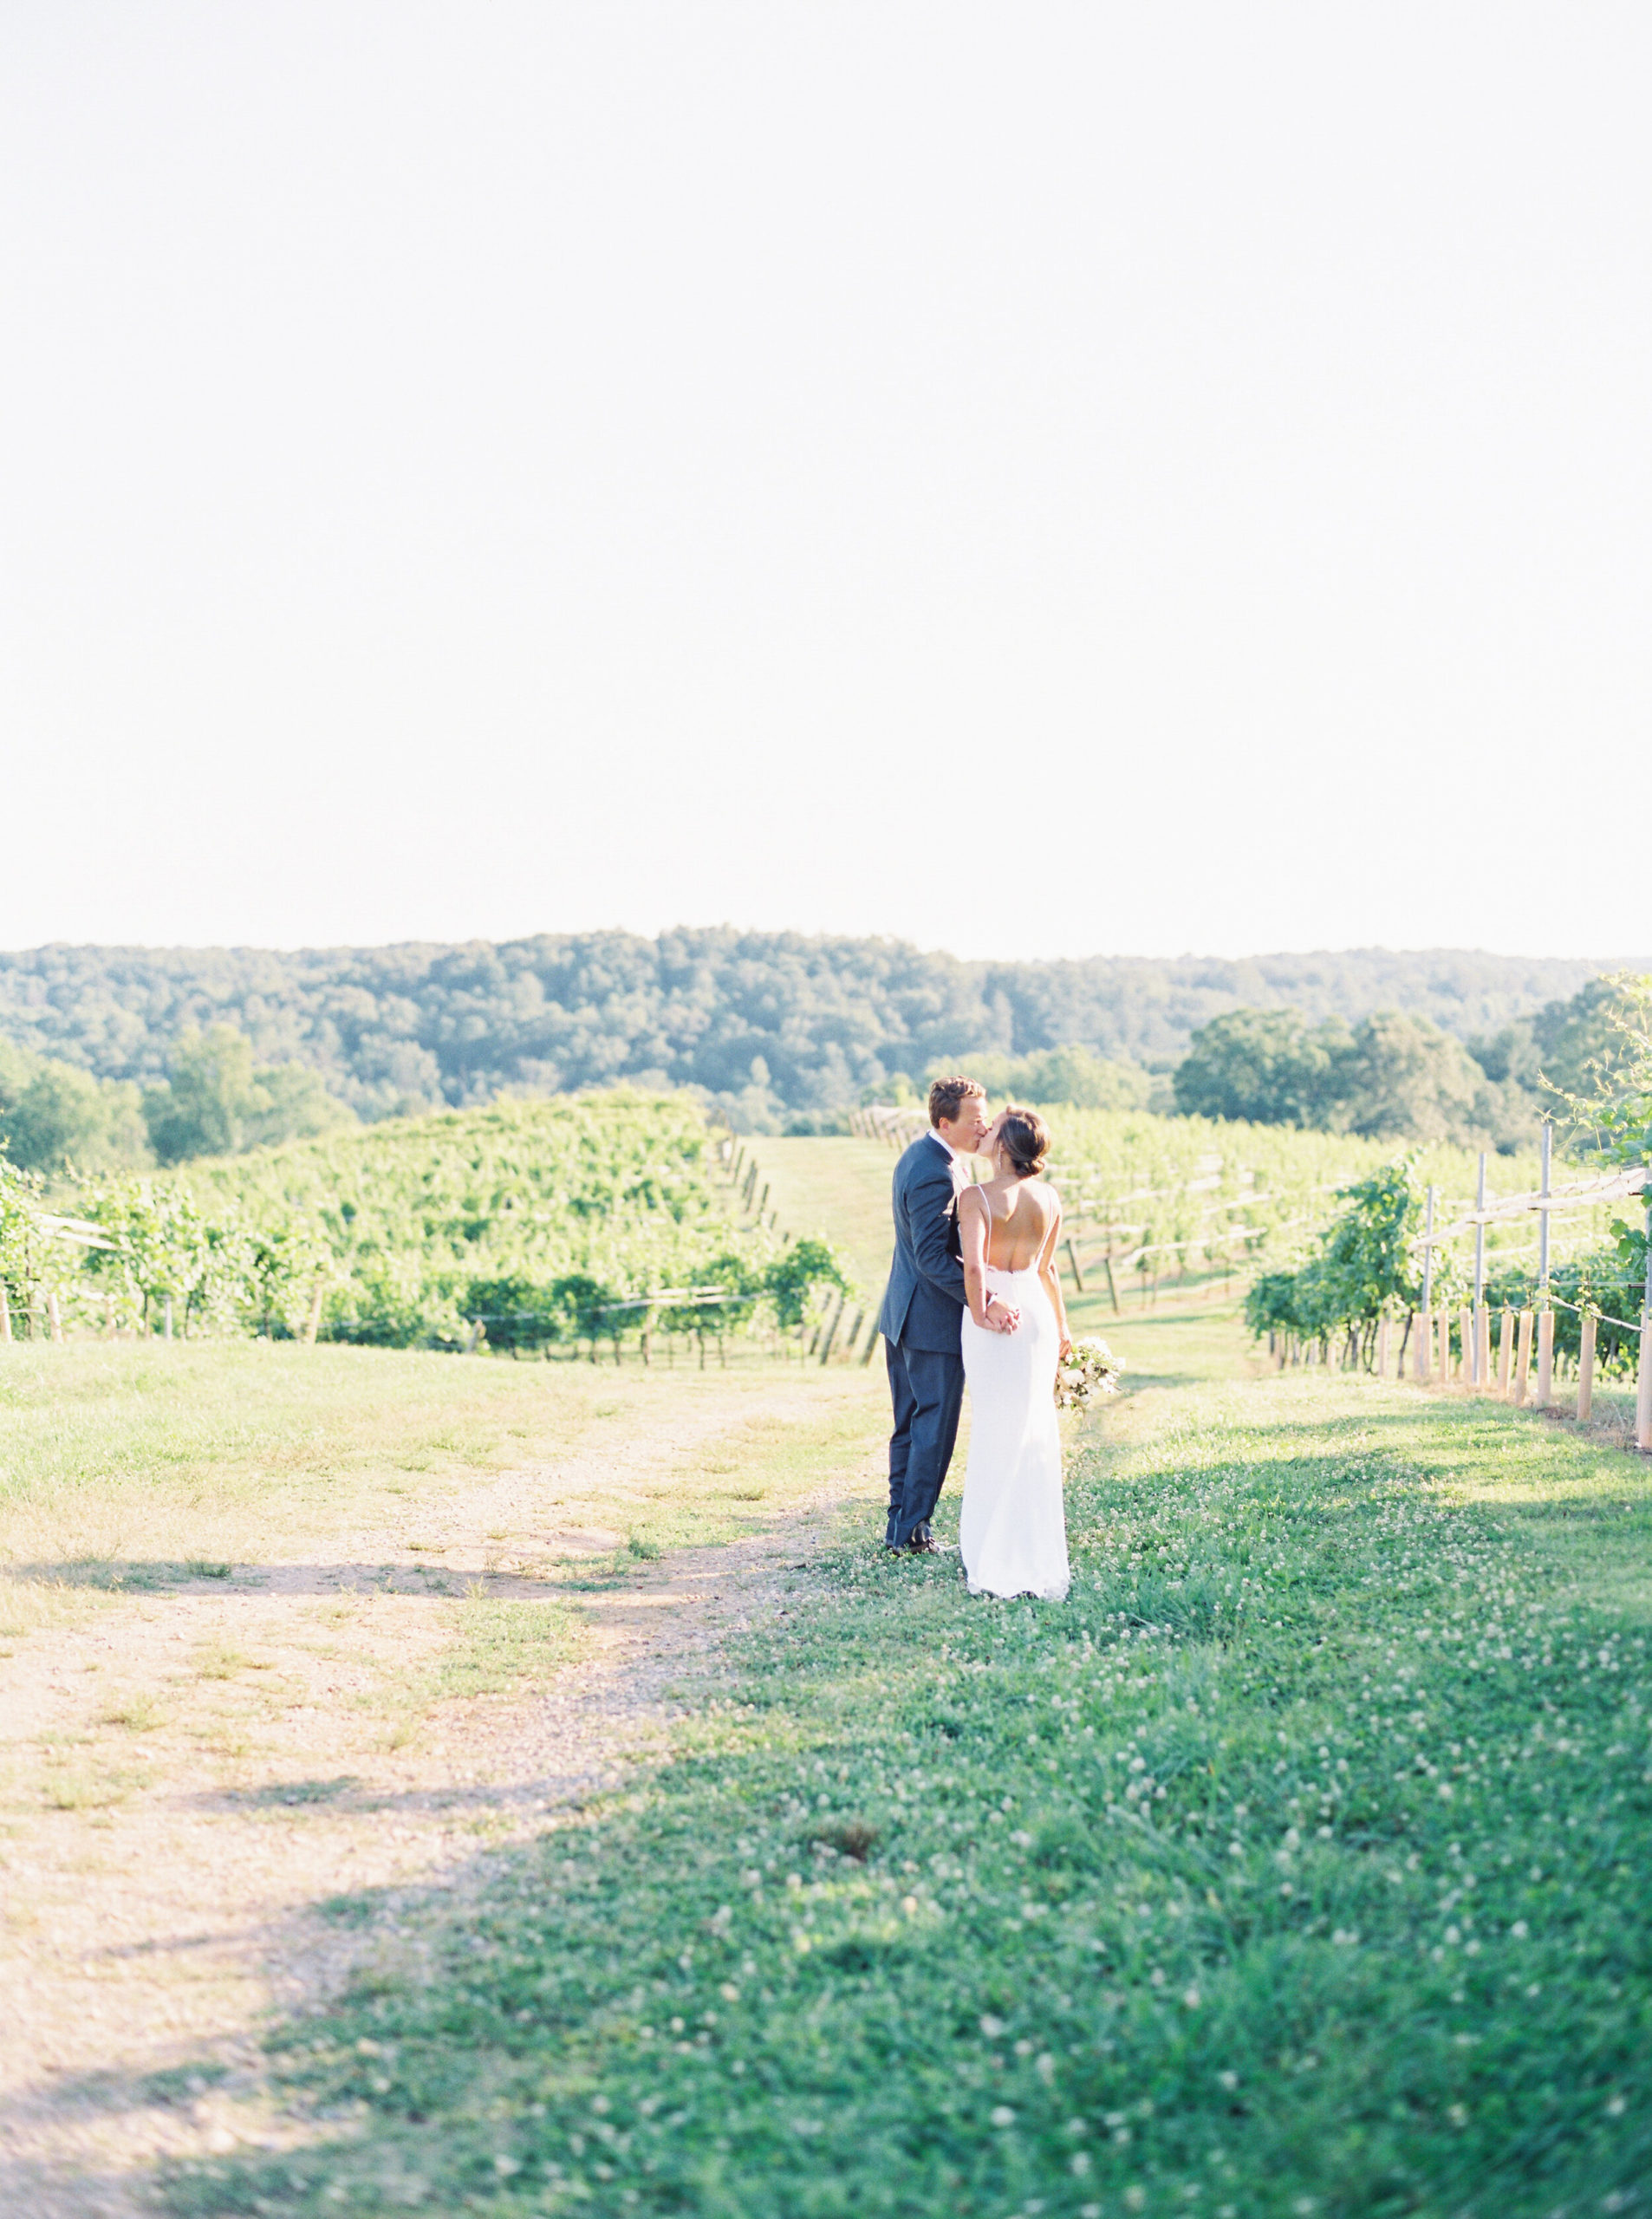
x,y
123,1463
1298,1863
836,1189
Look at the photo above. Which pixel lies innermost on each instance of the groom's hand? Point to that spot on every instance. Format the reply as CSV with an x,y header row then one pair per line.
x,y
1000,1317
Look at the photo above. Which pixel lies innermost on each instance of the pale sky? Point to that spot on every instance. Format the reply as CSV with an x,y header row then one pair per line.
x,y
1041,480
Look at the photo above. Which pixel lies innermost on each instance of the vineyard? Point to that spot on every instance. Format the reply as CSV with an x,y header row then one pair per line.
x,y
628,1221
1151,1202
535,1224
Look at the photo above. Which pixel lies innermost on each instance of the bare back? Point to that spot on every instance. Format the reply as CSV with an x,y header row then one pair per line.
x,y
1022,1215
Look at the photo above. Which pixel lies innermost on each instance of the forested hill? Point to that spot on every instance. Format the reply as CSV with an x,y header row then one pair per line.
x,y
771,1022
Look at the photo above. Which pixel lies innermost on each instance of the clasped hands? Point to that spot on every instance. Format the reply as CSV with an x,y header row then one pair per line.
x,y
999,1317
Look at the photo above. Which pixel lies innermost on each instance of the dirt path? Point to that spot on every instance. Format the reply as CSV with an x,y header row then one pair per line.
x,y
276,1760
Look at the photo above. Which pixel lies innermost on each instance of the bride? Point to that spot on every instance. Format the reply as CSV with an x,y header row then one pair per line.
x,y
1012,1532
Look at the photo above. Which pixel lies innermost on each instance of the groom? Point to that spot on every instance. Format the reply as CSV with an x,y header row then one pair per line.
x,y
922,1320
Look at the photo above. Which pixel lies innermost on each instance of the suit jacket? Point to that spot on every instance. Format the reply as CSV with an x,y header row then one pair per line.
x,y
923,1305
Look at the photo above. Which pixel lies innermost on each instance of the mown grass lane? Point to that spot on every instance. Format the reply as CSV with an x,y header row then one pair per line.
x,y
1298,1864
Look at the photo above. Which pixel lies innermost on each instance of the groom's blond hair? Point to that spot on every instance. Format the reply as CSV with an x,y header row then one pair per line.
x,y
948,1095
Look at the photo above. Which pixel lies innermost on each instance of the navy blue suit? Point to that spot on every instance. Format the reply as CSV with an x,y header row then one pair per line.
x,y
922,1323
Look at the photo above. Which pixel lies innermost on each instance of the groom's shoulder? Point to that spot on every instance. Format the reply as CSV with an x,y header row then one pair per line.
x,y
919,1156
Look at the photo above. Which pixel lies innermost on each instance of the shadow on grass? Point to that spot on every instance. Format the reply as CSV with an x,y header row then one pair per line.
x,y
163,1578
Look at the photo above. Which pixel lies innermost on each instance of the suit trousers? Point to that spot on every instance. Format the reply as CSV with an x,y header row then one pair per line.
x,y
926,1387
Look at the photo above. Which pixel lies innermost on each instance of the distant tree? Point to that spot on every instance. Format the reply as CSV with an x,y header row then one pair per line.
x,y
1072,1077
1392,1076
218,1102
54,1118
204,1109
1402,1077
1509,1057
1268,1065
1591,1047
297,1107
1613,1105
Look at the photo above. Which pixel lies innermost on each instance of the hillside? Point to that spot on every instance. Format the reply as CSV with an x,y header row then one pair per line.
x,y
770,1023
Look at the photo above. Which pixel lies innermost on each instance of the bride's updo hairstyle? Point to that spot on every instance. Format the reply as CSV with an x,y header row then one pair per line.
x,y
1026,1140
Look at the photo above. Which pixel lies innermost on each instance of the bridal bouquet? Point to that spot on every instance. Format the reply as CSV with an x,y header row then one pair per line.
x,y
1089,1372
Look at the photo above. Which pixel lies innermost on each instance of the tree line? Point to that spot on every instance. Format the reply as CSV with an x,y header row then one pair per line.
x,y
56,1118
127,1056
1399,1077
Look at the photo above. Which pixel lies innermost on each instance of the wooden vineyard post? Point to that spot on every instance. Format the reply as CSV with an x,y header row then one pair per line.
x,y
1522,1357
5,1316
1546,1313
1469,1341
1644,1392
1424,1322
1585,1366
1072,1257
830,1334
53,1315
1445,1348
1382,1349
1505,1351
1483,1348
1475,1370
311,1330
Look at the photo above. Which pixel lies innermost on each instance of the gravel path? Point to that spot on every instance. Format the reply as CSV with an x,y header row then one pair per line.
x,y
159,1915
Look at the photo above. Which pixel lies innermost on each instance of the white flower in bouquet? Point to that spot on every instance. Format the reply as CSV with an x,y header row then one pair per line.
x,y
1091,1371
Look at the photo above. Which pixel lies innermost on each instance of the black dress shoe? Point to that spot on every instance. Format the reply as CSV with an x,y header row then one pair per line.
x,y
922,1542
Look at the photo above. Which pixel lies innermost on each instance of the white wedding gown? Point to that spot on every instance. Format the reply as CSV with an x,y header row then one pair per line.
x,y
1012,1532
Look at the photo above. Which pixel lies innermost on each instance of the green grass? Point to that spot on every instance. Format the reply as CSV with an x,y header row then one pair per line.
x,y
837,1190
501,1647
1298,1864
128,1468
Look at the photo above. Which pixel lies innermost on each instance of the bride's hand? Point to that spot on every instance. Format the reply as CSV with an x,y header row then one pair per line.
x,y
1065,1355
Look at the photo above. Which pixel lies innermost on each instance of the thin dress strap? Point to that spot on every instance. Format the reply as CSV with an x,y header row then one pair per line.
x,y
986,1211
